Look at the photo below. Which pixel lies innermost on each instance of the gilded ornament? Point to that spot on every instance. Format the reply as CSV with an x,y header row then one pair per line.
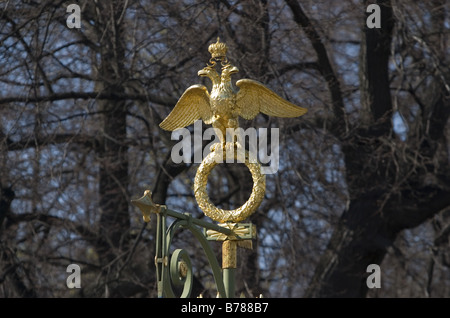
x,y
222,108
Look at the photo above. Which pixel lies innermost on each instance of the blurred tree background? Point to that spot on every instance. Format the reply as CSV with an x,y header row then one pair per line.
x,y
364,177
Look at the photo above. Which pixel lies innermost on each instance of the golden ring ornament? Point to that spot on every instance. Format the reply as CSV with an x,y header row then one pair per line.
x,y
201,180
222,108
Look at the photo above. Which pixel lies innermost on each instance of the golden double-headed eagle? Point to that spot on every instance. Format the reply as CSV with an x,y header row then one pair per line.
x,y
223,106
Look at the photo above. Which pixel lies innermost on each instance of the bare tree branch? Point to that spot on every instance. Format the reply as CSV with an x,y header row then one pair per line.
x,y
166,101
325,67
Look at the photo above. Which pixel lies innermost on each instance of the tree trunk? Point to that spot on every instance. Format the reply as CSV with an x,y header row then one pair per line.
x,y
113,171
374,71
388,192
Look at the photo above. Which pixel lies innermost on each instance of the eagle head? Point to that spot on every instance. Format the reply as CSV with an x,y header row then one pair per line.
x,y
211,73
229,69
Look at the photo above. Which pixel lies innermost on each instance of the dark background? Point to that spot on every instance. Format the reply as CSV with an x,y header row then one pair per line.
x,y
363,178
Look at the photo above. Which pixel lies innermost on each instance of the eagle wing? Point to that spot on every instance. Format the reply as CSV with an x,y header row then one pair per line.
x,y
192,105
253,98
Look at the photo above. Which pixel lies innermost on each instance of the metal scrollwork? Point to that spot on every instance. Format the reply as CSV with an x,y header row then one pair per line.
x,y
176,269
179,270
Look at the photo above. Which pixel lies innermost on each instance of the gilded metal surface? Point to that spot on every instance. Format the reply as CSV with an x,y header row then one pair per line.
x,y
222,108
225,103
221,215
218,50
146,205
241,231
229,257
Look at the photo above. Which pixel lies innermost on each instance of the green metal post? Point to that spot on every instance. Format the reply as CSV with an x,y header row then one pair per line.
x,y
229,259
229,281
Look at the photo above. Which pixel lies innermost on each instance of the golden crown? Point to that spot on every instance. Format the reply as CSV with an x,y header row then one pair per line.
x,y
218,50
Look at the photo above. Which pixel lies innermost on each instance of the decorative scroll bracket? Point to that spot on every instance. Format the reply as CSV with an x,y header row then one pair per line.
x,y
176,268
